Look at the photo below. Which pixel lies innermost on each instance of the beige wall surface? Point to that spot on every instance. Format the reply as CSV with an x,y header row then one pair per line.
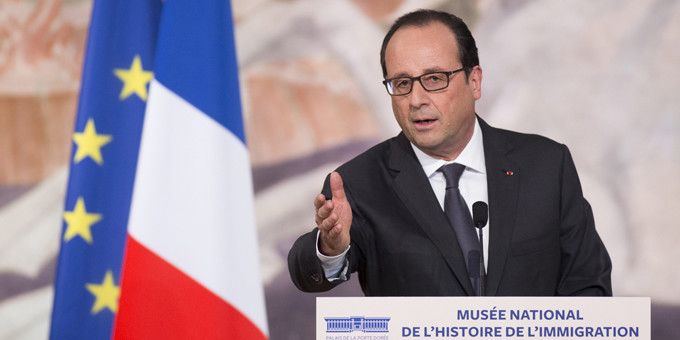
x,y
599,76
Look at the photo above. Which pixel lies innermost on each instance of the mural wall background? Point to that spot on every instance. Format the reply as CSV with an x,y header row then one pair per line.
x,y
601,77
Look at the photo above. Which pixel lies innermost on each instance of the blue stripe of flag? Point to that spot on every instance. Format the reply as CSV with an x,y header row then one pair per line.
x,y
119,30
192,50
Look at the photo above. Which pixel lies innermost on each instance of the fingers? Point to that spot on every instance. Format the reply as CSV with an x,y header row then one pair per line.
x,y
329,224
323,209
334,231
326,219
328,212
333,242
319,200
333,218
337,188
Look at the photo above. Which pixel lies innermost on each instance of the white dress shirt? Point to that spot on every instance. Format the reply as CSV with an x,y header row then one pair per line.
x,y
472,186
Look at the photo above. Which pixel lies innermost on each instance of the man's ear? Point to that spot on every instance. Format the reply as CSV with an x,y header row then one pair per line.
x,y
475,81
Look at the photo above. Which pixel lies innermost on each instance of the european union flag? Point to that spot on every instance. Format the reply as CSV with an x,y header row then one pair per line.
x,y
117,70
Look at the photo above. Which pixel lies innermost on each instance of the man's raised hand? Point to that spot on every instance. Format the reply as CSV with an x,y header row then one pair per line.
x,y
334,218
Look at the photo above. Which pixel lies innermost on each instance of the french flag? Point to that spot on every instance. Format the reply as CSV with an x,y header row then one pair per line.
x,y
191,267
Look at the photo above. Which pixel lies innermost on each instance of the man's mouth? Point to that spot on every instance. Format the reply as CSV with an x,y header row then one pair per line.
x,y
424,121
424,124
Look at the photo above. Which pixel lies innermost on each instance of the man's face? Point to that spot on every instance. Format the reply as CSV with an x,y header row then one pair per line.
x,y
441,122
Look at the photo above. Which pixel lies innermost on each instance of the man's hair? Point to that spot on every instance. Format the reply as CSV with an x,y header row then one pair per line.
x,y
467,49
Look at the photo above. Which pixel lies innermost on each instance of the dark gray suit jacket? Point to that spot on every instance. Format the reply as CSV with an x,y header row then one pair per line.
x,y
542,238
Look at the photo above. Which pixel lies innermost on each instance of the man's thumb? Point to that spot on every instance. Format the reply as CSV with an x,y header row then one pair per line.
x,y
337,188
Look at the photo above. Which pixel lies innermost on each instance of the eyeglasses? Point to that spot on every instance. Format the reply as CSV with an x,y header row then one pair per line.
x,y
433,81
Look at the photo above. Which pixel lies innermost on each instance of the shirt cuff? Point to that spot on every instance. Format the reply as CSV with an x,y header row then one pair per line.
x,y
334,267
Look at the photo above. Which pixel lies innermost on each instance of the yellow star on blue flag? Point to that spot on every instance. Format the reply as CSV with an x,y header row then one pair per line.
x,y
106,294
89,143
135,79
79,222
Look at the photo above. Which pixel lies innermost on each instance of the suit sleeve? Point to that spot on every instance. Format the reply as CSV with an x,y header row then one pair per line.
x,y
305,267
585,263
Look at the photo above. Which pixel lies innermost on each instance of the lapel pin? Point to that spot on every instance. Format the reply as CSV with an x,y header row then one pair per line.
x,y
509,172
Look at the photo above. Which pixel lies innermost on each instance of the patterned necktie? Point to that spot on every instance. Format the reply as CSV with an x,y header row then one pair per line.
x,y
459,217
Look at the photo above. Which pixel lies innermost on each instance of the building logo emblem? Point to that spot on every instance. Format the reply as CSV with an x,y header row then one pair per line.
x,y
357,324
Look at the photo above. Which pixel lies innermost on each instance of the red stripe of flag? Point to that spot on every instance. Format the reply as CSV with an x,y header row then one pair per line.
x,y
161,302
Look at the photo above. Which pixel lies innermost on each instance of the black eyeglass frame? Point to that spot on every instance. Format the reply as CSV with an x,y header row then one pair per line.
x,y
418,78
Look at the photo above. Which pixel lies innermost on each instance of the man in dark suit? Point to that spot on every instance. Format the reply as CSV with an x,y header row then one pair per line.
x,y
394,215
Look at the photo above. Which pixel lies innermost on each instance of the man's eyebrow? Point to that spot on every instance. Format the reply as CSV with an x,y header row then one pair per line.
x,y
433,69
426,71
400,75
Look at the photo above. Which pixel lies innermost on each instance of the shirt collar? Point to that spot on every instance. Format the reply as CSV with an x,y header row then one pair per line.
x,y
472,155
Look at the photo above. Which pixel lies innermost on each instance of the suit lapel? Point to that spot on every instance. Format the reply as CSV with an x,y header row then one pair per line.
x,y
415,191
503,177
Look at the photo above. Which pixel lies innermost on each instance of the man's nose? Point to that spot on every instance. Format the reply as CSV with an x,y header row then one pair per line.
x,y
418,96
